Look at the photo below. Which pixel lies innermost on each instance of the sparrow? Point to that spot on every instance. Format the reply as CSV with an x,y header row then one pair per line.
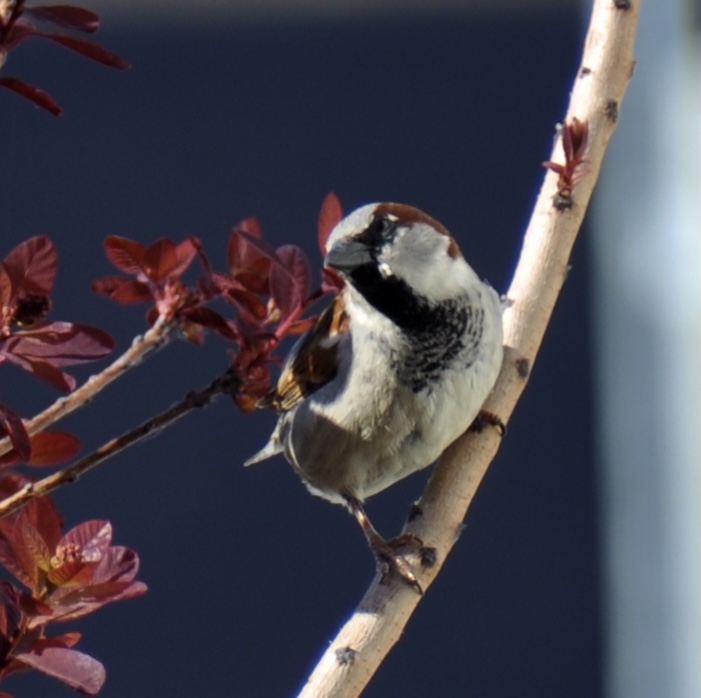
x,y
394,370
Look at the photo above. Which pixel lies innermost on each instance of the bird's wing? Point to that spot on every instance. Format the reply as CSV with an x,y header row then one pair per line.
x,y
313,362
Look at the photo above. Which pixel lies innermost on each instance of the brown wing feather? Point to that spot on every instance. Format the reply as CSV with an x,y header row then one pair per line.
x,y
316,360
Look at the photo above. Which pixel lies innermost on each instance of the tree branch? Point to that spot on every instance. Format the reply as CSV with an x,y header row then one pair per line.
x,y
226,383
606,69
142,345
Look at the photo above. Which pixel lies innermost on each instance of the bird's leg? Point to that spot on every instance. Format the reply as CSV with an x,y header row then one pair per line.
x,y
387,551
485,418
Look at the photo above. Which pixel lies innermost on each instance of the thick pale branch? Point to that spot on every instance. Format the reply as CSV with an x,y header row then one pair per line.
x,y
142,345
607,66
225,383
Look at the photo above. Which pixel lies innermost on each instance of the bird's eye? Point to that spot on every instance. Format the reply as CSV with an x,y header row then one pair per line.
x,y
381,229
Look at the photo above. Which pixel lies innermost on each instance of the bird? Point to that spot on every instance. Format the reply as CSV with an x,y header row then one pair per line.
x,y
395,369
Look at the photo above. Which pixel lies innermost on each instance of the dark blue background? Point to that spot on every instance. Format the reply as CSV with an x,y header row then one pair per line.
x,y
249,575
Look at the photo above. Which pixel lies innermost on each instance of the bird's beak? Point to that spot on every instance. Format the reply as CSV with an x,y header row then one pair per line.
x,y
348,255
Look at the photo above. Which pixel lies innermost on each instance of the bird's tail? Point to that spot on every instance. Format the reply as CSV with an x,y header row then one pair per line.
x,y
272,448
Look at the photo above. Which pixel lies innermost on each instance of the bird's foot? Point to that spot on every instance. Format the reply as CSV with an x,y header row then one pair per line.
x,y
392,554
392,557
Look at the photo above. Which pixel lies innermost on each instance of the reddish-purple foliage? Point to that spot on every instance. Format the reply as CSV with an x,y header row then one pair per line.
x,y
331,213
70,575
269,288
33,94
43,348
28,340
67,576
19,23
45,449
575,138
157,272
11,425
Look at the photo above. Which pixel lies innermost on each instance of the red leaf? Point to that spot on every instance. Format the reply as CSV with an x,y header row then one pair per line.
x,y
5,287
575,136
9,459
554,166
251,226
22,549
251,334
185,252
44,370
67,16
112,580
18,31
12,425
249,261
331,281
249,301
245,247
39,511
331,213
60,343
32,266
46,519
82,602
200,253
131,292
121,290
37,551
109,592
160,259
118,564
33,94
44,350
152,315
67,639
107,285
75,669
13,562
92,537
88,49
53,448
211,319
284,291
295,261
127,255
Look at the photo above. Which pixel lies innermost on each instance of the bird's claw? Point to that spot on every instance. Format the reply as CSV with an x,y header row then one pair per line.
x,y
387,551
391,559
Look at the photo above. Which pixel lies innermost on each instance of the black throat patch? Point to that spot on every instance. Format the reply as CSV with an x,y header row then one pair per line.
x,y
436,333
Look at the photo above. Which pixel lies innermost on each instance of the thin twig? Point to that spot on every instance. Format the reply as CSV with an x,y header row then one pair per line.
x,y
144,344
226,383
607,66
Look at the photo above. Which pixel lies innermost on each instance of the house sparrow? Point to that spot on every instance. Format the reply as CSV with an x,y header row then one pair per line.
x,y
393,371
